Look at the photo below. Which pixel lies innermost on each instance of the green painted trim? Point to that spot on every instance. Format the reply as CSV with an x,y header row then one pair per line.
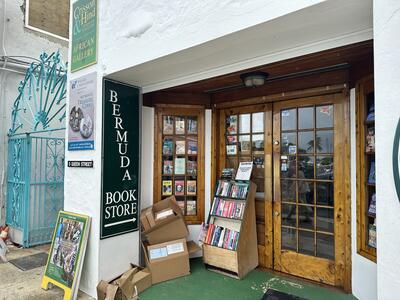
x,y
395,160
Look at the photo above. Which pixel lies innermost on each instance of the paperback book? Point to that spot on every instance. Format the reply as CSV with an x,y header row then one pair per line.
x,y
180,147
190,208
371,175
168,145
168,125
372,235
370,140
231,139
222,237
227,208
232,189
231,125
228,174
191,187
372,206
192,125
179,166
231,150
167,187
179,125
179,187
192,167
192,146
168,167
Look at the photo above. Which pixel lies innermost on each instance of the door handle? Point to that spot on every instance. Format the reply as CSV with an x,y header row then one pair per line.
x,y
277,213
276,142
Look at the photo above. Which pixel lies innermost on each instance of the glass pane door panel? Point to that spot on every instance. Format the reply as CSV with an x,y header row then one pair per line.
x,y
306,172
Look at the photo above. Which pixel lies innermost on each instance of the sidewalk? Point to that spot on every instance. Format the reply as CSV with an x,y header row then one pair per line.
x,y
16,284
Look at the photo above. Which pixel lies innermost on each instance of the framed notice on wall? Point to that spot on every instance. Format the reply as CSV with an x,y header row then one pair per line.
x,y
84,34
121,160
66,254
81,118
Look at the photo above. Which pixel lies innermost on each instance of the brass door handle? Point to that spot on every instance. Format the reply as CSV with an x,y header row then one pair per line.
x,y
277,213
276,142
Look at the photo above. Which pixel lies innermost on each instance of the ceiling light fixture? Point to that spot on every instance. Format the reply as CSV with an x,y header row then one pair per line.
x,y
254,79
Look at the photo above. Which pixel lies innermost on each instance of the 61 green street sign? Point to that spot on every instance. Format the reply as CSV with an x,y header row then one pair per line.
x,y
84,34
121,164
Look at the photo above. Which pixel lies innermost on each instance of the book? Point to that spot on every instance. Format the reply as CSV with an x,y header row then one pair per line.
x,y
168,167
168,145
168,125
192,146
372,235
192,167
167,187
191,208
371,175
179,166
179,187
258,161
245,146
179,125
180,147
370,140
191,187
231,139
181,205
244,170
228,173
231,125
192,125
203,233
372,206
221,237
371,113
231,150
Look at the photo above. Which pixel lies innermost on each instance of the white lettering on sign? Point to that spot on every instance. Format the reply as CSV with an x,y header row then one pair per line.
x,y
120,203
122,136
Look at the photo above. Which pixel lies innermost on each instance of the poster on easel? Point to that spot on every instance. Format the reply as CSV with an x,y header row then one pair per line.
x,y
67,251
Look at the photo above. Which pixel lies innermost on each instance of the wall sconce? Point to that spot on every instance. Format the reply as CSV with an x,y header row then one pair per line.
x,y
254,79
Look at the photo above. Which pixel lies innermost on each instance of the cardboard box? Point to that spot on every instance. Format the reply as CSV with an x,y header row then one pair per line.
x,y
121,288
141,279
169,228
167,260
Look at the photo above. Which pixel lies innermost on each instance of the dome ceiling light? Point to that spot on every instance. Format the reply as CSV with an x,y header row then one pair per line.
x,y
254,79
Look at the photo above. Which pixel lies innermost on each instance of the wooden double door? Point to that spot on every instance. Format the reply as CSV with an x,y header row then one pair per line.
x,y
301,167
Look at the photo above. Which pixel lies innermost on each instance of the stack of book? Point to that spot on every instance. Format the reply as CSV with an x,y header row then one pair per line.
x,y
232,189
222,237
227,209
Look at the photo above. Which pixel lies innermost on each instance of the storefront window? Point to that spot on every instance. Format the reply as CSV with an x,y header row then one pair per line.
x,y
366,196
179,159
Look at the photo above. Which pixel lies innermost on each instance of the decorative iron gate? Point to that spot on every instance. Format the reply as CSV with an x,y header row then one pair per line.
x,y
35,176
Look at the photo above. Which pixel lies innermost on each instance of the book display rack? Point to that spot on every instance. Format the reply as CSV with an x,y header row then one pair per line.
x,y
230,240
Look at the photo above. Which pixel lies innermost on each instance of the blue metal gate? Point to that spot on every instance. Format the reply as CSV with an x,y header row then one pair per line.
x,y
35,174
35,186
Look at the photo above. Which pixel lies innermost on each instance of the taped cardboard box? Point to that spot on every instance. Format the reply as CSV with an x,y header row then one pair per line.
x,y
167,260
169,226
121,288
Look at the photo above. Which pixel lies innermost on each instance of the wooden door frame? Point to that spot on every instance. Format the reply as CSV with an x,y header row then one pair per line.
x,y
339,272
218,125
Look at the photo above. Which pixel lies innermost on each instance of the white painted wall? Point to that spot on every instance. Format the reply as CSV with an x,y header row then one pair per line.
x,y
363,270
387,112
15,40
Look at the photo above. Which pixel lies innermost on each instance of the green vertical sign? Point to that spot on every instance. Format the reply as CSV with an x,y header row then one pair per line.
x,y
84,34
121,164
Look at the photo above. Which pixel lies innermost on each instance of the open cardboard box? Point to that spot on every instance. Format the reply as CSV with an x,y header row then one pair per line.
x,y
169,260
168,227
125,287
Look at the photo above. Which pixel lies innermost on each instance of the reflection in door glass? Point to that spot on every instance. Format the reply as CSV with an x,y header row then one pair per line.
x,y
288,119
306,242
244,123
289,238
324,116
325,246
258,122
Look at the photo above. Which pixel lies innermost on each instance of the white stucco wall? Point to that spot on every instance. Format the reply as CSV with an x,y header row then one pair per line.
x,y
387,111
363,270
16,40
